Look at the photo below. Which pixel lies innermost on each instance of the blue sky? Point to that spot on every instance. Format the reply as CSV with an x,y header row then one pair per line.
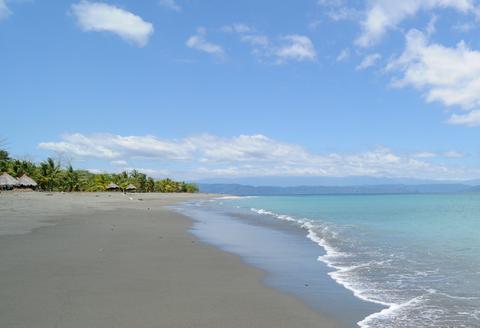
x,y
211,88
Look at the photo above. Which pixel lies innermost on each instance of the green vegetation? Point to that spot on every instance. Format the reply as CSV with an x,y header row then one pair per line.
x,y
51,176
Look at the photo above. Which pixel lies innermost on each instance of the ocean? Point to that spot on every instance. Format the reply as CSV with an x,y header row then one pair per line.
x,y
366,260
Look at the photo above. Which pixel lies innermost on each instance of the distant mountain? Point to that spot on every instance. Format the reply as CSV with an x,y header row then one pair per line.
x,y
275,181
242,190
474,189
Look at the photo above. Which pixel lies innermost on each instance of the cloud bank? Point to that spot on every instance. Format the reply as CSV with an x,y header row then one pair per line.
x,y
250,155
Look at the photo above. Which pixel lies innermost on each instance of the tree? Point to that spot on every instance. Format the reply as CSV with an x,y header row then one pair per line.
x,y
121,180
4,156
191,188
49,173
71,181
50,176
138,179
150,185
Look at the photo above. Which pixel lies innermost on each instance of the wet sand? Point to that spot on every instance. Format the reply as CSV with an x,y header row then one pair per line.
x,y
109,260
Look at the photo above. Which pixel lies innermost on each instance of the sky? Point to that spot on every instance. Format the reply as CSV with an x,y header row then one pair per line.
x,y
196,89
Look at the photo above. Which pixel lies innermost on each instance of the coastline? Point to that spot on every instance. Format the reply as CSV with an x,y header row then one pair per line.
x,y
104,260
290,253
387,253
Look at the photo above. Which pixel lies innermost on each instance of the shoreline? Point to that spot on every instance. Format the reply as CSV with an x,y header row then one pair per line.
x,y
400,265
287,251
108,261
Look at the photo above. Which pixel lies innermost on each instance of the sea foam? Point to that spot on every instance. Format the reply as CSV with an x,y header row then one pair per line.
x,y
318,233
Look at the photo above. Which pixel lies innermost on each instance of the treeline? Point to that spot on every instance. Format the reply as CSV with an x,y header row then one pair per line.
x,y
51,176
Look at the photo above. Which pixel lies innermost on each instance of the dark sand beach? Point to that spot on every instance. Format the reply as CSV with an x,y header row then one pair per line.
x,y
109,260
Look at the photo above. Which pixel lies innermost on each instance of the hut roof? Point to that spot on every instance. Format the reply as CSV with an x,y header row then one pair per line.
x,y
113,186
26,181
7,180
131,187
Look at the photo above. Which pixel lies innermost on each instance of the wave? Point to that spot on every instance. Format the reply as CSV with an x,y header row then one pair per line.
x,y
390,312
234,197
320,233
413,276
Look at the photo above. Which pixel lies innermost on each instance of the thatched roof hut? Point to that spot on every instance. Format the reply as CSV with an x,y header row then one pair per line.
x,y
27,182
113,186
7,181
131,187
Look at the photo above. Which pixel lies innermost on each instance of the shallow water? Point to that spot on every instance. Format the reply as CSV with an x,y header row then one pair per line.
x,y
416,255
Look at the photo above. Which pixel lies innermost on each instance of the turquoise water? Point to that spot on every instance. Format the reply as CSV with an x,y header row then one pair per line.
x,y
418,255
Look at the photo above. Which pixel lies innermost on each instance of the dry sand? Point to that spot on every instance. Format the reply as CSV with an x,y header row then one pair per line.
x,y
105,260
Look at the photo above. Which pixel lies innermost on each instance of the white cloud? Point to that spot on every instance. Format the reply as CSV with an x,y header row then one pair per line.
x,y
471,119
447,75
246,155
425,154
464,27
453,154
431,27
247,34
256,40
369,61
314,24
260,43
114,147
4,11
447,154
384,15
292,47
343,13
338,10
343,55
101,17
200,43
170,4
295,47
155,173
119,163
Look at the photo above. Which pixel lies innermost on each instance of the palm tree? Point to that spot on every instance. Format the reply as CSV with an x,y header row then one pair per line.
x,y
138,179
49,172
4,160
71,181
3,152
150,185
4,155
